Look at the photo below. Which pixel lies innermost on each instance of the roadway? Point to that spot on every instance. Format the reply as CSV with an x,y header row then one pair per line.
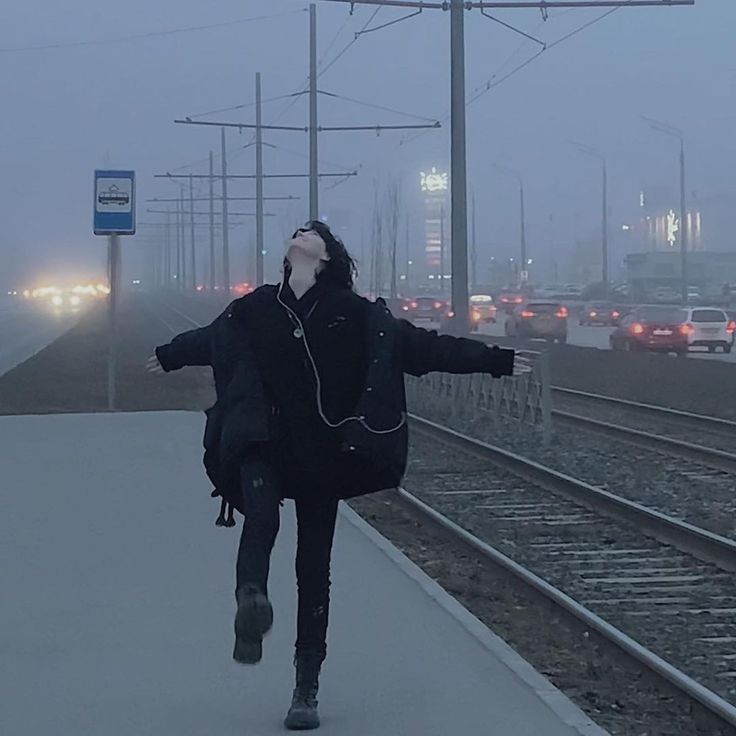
x,y
597,337
25,329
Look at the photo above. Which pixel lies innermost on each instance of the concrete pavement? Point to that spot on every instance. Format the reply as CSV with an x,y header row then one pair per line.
x,y
118,604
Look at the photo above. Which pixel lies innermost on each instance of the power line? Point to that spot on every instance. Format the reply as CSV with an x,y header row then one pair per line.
x,y
151,34
378,107
244,106
350,44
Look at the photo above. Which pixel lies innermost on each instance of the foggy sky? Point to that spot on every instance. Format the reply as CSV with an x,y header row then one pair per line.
x,y
68,111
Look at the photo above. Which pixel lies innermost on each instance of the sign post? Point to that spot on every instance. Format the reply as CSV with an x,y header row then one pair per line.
x,y
114,215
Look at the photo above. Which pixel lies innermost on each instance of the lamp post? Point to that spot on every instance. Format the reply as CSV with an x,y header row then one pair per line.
x,y
522,210
667,129
604,208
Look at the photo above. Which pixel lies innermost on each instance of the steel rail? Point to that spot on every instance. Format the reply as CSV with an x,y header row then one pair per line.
x,y
701,543
692,689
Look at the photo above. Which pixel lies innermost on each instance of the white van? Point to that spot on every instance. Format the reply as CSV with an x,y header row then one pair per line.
x,y
709,327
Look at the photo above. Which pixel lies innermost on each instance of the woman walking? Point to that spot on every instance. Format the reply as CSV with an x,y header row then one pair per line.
x,y
310,406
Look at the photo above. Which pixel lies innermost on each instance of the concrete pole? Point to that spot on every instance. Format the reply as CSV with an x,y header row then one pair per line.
x,y
178,244
683,224
313,133
474,249
458,178
191,229
213,279
523,254
443,249
183,227
167,259
259,183
225,224
604,226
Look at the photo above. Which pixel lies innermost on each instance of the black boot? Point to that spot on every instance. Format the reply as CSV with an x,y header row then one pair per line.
x,y
253,619
303,715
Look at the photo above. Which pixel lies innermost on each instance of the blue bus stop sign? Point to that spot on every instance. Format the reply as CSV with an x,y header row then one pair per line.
x,y
114,203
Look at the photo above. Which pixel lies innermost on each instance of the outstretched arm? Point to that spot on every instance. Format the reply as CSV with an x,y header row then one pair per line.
x,y
425,351
189,348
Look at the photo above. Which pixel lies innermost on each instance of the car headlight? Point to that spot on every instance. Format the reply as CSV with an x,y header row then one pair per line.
x,y
75,301
57,301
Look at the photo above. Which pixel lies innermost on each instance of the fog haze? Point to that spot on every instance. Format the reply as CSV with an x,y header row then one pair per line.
x,y
71,109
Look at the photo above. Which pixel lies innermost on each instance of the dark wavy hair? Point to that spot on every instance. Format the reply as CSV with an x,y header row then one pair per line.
x,y
340,271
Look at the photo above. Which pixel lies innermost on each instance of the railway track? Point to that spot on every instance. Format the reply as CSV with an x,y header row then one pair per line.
x,y
660,590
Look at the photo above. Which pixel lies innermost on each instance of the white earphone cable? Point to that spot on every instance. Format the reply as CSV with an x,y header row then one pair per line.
x,y
318,381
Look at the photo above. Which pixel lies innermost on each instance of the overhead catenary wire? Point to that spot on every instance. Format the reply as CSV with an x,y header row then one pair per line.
x,y
378,107
150,34
352,43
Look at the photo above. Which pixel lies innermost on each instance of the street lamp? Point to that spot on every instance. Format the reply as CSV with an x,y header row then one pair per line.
x,y
670,130
517,175
604,223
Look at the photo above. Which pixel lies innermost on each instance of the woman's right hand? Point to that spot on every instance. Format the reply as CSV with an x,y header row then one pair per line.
x,y
154,366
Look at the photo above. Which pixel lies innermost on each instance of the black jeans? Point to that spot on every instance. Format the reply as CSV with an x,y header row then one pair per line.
x,y
316,517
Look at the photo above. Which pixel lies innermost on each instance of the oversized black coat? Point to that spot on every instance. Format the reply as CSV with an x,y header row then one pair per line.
x,y
372,459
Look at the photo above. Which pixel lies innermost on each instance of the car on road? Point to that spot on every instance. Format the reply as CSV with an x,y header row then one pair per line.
x,y
538,319
430,308
652,328
710,328
510,300
665,295
482,311
600,313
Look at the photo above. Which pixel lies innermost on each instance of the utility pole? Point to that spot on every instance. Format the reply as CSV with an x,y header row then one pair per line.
x,y
178,244
459,215
167,260
604,210
474,251
191,227
259,184
313,131
442,248
522,215
604,225
213,278
458,171
683,223
408,255
183,226
225,226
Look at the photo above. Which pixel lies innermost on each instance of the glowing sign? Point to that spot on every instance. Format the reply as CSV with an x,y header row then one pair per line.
x,y
434,181
673,227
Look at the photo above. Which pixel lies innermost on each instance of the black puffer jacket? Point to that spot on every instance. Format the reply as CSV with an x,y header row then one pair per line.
x,y
373,449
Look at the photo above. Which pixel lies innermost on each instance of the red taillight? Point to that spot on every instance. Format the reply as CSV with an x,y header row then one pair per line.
x,y
414,305
527,313
731,327
518,300
505,299
562,313
476,316
438,305
637,329
615,315
451,314
687,329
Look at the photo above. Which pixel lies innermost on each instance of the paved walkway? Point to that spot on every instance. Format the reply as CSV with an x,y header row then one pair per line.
x,y
117,607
